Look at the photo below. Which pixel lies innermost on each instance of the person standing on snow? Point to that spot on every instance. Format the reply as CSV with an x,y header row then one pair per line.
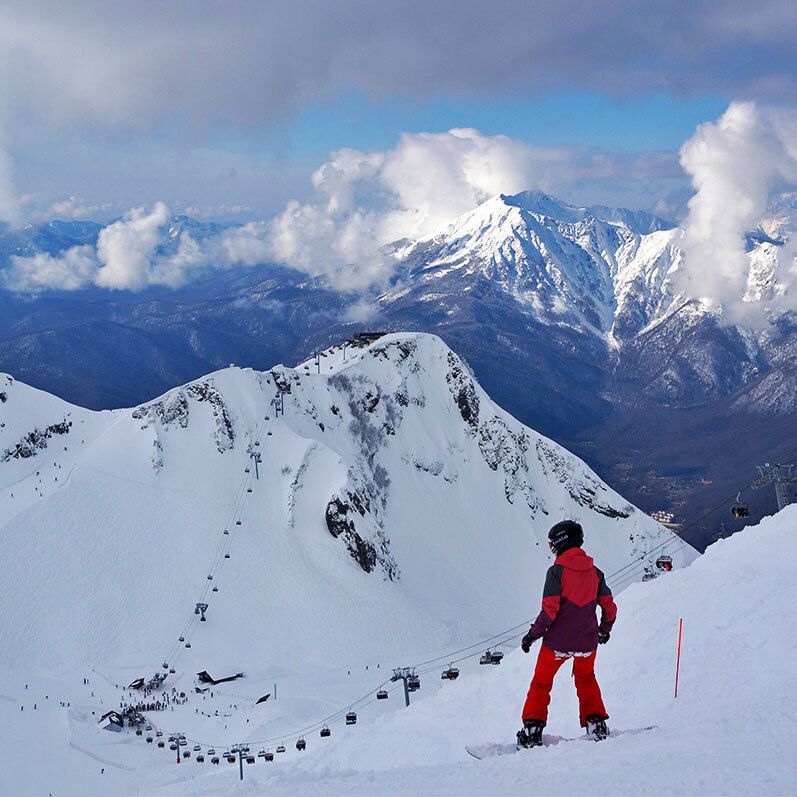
x,y
574,589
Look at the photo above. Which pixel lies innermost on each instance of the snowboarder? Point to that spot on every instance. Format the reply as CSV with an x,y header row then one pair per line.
x,y
568,627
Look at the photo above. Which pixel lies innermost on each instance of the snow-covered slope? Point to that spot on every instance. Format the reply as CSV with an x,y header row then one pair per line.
x,y
397,508
730,731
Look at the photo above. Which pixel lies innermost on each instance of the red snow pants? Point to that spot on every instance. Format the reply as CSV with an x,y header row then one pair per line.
x,y
589,694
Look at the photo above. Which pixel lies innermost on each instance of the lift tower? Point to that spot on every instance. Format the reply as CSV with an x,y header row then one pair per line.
x,y
781,476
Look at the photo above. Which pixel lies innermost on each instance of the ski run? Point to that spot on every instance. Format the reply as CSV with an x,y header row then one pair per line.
x,y
381,511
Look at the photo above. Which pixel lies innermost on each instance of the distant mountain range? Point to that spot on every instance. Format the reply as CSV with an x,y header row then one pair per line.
x,y
567,315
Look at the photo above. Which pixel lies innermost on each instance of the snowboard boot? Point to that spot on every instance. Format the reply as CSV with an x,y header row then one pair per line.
x,y
596,727
531,734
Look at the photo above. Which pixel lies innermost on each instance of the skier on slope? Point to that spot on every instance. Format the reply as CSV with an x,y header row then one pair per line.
x,y
568,627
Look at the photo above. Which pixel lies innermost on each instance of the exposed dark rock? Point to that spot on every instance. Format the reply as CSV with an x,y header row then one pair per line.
x,y
35,441
340,525
174,409
463,390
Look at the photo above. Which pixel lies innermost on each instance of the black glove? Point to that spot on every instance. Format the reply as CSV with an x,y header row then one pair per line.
x,y
603,637
526,642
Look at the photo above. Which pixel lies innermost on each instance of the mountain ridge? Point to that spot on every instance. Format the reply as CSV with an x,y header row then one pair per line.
x,y
387,483
573,326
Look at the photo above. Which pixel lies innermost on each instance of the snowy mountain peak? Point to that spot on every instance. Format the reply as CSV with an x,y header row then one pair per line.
x,y
603,269
541,204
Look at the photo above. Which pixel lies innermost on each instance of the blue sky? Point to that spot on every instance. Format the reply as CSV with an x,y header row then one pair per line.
x,y
628,124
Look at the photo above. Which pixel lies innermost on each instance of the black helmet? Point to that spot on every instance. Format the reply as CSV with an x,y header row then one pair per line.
x,y
565,535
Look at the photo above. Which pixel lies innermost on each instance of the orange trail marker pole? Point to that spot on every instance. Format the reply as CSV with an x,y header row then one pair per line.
x,y
678,659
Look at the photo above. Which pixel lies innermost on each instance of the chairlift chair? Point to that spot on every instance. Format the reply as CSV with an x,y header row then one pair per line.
x,y
172,670
739,509
381,695
149,740
237,522
649,576
230,759
486,658
139,732
281,748
261,754
148,728
159,733
182,638
450,674
413,683
268,756
197,748
246,470
351,718
250,759
188,644
161,744
210,577
496,656
664,562
301,744
226,531
215,589
200,759
165,666
214,760
249,489
172,746
325,732
186,754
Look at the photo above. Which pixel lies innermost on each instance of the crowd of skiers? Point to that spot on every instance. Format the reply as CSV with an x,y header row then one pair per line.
x,y
165,701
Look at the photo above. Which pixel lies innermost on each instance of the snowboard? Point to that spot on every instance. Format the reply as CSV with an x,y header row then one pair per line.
x,y
493,749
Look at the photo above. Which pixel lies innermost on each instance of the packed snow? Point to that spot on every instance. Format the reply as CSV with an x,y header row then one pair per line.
x,y
731,729
381,511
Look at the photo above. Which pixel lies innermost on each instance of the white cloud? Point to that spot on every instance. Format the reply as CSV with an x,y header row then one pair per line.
x,y
136,252
71,270
74,207
247,245
127,247
361,311
735,163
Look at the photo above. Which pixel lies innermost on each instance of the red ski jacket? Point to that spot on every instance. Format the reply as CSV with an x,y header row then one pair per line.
x,y
574,588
